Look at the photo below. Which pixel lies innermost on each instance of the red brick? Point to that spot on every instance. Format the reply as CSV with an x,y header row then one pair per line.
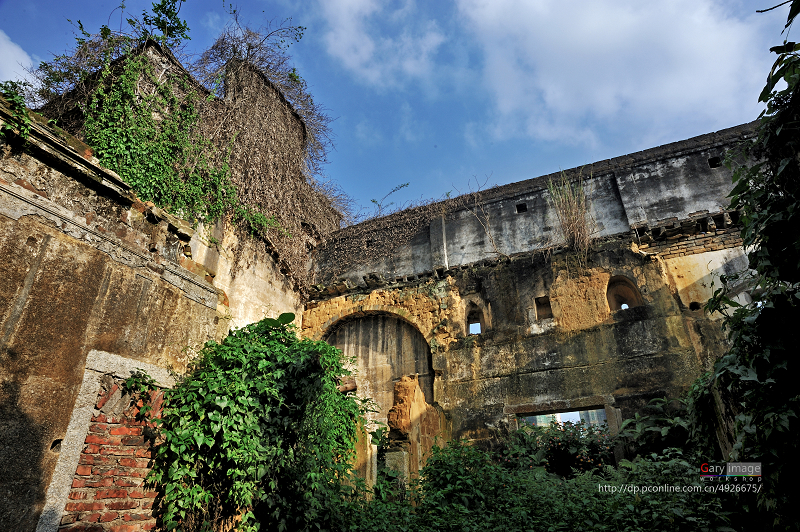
x,y
91,449
146,505
97,427
69,519
125,483
125,528
92,518
148,526
105,472
101,440
77,495
108,516
110,494
78,483
84,506
83,470
123,430
99,418
137,474
122,505
144,453
132,462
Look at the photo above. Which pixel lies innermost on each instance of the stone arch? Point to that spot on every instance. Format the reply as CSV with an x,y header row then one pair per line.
x,y
386,347
366,310
622,293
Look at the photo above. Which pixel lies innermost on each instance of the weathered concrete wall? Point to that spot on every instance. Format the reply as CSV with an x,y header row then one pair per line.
x,y
90,267
645,191
578,353
553,336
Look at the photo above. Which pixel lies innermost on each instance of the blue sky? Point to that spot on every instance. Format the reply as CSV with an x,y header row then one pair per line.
x,y
443,95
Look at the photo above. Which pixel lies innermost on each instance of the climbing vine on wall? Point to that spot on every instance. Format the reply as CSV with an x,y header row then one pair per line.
x,y
199,149
149,138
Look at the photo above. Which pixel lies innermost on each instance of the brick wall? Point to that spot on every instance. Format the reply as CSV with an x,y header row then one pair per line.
x,y
108,491
682,245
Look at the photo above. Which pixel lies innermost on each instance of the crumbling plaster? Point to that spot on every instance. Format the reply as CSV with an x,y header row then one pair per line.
x,y
89,267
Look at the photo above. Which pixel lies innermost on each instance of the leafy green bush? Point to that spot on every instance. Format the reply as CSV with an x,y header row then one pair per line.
x,y
560,448
258,430
463,488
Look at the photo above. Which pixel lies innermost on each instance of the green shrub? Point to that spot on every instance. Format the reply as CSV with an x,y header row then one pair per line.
x,y
258,429
560,448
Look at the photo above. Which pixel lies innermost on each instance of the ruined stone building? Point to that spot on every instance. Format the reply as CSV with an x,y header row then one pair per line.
x,y
475,318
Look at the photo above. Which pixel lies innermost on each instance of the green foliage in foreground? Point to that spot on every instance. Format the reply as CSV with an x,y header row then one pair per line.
x,y
463,488
258,429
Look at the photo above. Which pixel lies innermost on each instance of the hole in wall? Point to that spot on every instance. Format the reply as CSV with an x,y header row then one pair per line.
x,y
543,308
56,446
522,207
622,294
694,305
714,162
474,319
592,416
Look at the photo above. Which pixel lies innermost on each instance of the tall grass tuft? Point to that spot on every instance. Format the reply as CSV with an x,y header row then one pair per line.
x,y
572,209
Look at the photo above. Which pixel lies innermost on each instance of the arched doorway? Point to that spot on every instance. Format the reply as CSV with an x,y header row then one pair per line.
x,y
385,348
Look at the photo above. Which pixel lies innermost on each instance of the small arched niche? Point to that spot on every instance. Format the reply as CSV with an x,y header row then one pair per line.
x,y
622,294
476,324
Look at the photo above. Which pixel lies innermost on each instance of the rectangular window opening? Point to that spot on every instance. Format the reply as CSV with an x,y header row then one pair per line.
x,y
475,328
594,417
714,162
543,309
522,207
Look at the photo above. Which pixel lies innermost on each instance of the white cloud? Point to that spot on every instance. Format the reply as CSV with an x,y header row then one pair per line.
x,y
382,46
13,59
555,70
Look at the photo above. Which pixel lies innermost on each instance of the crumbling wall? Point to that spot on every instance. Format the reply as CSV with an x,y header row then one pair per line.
x,y
550,339
90,268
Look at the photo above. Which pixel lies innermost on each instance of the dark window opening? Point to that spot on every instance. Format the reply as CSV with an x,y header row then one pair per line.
x,y
543,309
56,446
719,221
694,305
704,225
622,294
714,162
734,217
522,207
474,319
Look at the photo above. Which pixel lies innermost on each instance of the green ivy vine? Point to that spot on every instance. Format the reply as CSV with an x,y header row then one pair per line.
x,y
257,430
150,141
